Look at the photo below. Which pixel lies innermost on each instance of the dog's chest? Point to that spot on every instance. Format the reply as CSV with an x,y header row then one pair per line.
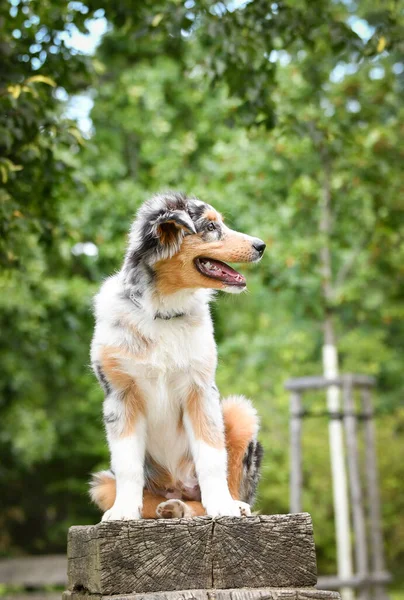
x,y
181,345
165,440
179,356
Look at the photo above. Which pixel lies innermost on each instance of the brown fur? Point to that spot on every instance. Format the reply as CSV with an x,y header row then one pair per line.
x,y
167,232
180,424
158,477
196,507
179,271
240,427
151,502
212,215
134,401
203,428
103,490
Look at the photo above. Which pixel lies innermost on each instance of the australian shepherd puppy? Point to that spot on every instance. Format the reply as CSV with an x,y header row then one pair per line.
x,y
176,449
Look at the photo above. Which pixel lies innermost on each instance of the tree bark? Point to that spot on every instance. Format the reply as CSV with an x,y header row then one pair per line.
x,y
330,369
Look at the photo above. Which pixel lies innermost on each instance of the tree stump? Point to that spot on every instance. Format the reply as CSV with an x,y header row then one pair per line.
x,y
227,558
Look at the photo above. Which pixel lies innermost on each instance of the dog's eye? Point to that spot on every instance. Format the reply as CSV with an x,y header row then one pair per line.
x,y
211,227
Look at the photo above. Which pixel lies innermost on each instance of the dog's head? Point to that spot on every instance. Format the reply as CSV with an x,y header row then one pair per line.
x,y
186,245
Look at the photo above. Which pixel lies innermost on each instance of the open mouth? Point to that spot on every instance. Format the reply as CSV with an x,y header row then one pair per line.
x,y
216,269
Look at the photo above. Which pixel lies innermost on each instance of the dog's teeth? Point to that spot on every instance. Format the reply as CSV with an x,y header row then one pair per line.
x,y
208,265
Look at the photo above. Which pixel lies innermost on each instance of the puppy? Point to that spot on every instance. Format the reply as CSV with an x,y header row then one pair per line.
x,y
176,450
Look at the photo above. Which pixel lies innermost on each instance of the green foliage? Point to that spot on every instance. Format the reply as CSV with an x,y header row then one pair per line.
x,y
36,145
176,87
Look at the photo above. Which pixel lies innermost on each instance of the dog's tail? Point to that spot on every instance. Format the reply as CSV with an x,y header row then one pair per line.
x,y
103,489
244,452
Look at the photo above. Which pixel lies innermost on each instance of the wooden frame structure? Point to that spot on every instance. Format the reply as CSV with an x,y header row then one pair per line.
x,y
371,577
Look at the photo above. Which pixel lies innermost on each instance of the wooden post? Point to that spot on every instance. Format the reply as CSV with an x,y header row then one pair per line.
x,y
296,474
358,518
227,558
372,487
338,469
365,578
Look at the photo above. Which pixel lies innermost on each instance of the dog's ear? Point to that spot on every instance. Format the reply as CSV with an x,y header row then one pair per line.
x,y
171,226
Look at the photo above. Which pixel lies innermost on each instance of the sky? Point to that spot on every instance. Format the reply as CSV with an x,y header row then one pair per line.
x,y
79,106
87,44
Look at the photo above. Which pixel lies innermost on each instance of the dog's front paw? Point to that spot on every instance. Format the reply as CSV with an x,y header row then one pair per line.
x,y
245,509
121,513
173,509
228,507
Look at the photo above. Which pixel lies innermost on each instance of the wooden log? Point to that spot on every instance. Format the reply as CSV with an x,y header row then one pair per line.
x,y
215,594
127,557
275,551
140,556
32,596
37,595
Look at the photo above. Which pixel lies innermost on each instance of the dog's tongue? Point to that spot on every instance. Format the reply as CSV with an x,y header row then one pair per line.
x,y
219,270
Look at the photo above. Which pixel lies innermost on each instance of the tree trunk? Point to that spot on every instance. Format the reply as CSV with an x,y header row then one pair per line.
x,y
131,152
330,370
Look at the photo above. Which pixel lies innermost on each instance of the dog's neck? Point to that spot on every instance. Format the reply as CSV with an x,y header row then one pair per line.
x,y
140,288
171,307
165,315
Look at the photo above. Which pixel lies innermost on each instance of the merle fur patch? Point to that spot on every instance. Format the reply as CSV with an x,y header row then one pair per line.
x,y
251,472
102,378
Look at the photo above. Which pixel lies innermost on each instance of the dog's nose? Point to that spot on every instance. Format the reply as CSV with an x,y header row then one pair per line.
x,y
259,245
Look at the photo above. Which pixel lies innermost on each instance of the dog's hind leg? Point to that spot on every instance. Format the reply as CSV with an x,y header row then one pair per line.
x,y
244,452
179,509
103,492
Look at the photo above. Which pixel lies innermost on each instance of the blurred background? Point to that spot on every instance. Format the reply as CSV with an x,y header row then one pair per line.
x,y
287,117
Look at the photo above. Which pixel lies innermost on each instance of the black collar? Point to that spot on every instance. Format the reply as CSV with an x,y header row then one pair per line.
x,y
168,317
158,315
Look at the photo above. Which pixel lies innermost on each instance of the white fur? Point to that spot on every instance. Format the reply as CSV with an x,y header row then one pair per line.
x,y
127,461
